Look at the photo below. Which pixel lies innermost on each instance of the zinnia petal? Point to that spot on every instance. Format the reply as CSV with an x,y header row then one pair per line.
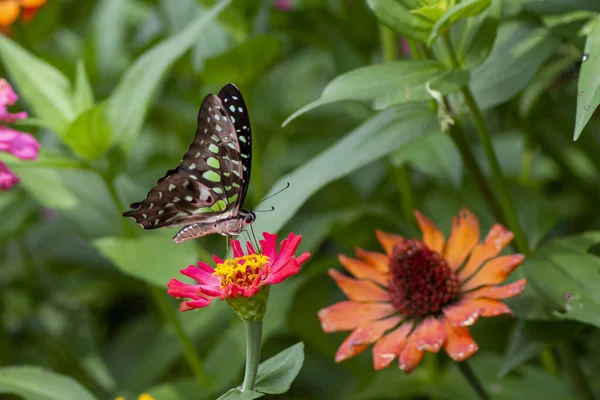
x,y
459,343
363,270
372,332
433,238
8,97
494,271
410,357
429,335
347,350
7,177
497,239
389,347
388,240
359,290
464,313
492,308
348,315
498,292
463,237
378,260
20,144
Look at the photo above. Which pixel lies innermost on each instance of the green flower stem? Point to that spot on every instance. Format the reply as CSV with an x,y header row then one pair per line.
x,y
475,383
400,175
163,305
506,203
253,346
573,371
189,352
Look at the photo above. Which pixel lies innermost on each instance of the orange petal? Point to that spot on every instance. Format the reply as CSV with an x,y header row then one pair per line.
x,y
463,237
363,270
433,238
388,348
494,271
359,290
410,357
498,292
370,333
347,350
429,335
379,260
492,308
459,344
464,313
349,315
497,238
388,240
32,3
9,11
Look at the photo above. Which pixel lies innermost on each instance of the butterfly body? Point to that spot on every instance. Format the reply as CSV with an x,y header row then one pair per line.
x,y
205,192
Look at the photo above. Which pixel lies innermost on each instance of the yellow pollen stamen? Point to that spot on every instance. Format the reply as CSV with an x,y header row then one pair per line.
x,y
241,271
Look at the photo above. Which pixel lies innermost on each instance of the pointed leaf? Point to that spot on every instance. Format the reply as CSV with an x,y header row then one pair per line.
x,y
396,16
90,134
589,81
388,84
43,87
237,394
129,103
36,383
276,375
83,96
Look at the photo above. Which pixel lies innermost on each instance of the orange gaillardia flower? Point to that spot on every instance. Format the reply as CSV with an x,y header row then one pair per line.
x,y
422,294
11,9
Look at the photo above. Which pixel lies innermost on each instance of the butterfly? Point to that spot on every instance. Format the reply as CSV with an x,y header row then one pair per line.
x,y
205,192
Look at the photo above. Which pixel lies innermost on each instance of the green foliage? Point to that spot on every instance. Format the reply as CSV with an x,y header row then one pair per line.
x,y
364,123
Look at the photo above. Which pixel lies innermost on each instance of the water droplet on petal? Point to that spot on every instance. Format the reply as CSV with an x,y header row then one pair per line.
x,y
585,57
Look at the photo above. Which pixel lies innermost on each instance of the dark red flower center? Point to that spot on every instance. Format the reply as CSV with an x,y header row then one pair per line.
x,y
420,281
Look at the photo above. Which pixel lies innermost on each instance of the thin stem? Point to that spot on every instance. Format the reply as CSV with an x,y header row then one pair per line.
x,y
414,50
401,175
475,383
253,345
575,374
189,352
112,190
506,203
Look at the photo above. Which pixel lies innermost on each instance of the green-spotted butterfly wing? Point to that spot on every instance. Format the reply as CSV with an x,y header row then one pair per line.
x,y
206,191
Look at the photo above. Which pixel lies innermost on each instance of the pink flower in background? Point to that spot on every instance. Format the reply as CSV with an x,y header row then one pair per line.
x,y
283,5
20,144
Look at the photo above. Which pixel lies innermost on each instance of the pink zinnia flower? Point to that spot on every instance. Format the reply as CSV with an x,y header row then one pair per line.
x,y
20,144
244,275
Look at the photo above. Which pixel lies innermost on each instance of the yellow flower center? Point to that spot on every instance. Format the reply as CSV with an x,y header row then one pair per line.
x,y
241,271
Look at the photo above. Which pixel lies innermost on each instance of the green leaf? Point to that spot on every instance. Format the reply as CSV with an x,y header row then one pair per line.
x,y
566,276
241,64
46,159
377,137
465,9
530,338
398,17
388,84
129,102
559,6
46,89
83,96
90,134
474,38
521,48
589,81
276,374
36,383
152,257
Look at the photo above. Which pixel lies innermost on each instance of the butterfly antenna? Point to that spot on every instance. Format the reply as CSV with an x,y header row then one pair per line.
x,y
275,194
257,247
272,209
226,246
